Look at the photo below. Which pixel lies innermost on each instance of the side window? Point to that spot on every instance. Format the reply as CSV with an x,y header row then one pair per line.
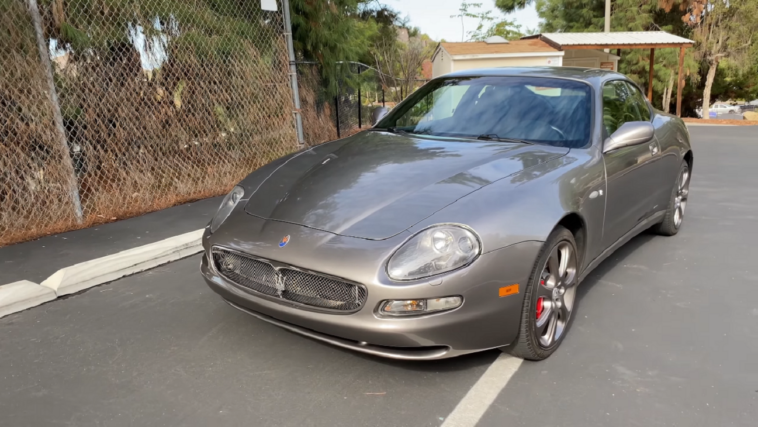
x,y
639,99
619,106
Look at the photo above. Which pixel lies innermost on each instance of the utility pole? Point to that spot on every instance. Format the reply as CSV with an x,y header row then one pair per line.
x,y
607,16
607,19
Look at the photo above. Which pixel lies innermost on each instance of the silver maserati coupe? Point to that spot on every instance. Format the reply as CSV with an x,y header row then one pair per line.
x,y
463,220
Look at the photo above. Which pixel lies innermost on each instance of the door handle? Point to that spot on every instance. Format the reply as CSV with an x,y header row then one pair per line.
x,y
653,148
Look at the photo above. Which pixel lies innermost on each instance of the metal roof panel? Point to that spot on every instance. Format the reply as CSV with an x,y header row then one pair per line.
x,y
617,38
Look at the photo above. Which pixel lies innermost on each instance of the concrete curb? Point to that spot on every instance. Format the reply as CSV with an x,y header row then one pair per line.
x,y
18,296
87,274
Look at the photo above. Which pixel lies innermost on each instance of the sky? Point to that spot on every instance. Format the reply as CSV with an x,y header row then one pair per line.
x,y
433,16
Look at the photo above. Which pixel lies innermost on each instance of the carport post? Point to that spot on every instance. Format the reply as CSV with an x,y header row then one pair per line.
x,y
650,80
680,83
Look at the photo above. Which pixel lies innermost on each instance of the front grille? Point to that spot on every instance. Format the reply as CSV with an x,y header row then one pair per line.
x,y
289,284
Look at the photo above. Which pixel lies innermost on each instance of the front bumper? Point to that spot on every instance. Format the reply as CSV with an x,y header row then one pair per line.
x,y
484,321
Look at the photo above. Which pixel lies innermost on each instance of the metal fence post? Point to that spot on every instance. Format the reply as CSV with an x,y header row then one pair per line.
x,y
359,107
73,186
337,113
293,71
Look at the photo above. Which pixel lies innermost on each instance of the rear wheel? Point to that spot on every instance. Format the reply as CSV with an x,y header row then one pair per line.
x,y
672,221
550,298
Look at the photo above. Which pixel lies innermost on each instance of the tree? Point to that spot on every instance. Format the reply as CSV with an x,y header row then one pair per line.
x,y
399,63
508,6
466,11
724,31
329,32
488,25
504,28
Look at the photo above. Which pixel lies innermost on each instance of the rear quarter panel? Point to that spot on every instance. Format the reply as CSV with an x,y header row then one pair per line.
x,y
674,140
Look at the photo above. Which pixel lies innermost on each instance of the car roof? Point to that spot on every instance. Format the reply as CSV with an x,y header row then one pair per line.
x,y
594,76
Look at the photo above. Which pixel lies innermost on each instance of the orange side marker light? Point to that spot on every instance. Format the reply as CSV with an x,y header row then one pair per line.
x,y
508,290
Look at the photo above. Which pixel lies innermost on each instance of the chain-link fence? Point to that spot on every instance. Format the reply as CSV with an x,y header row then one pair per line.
x,y
114,108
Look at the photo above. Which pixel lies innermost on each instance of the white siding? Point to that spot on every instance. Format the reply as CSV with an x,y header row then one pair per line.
x,y
442,64
529,61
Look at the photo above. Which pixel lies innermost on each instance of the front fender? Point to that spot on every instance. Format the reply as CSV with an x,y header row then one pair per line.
x,y
527,205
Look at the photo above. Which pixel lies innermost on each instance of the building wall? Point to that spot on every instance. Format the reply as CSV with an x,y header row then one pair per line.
x,y
442,64
470,64
589,59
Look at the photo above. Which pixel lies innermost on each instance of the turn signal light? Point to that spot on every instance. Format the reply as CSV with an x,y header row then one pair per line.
x,y
419,306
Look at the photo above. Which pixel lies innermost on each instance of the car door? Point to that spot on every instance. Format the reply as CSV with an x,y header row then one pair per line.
x,y
631,187
660,164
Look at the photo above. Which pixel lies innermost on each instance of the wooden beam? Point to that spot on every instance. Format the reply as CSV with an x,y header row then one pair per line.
x,y
650,80
680,82
623,46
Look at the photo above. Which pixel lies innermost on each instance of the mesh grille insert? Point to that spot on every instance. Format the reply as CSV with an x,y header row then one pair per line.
x,y
289,284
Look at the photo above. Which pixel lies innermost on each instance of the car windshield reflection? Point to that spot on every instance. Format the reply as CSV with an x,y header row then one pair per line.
x,y
511,109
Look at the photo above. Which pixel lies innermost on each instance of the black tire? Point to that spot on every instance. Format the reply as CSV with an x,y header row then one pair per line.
x,y
669,226
527,345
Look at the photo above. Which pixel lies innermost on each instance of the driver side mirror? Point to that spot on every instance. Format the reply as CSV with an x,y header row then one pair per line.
x,y
378,114
630,133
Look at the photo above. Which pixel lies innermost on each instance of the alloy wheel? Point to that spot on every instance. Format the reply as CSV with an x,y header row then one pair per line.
x,y
683,190
555,295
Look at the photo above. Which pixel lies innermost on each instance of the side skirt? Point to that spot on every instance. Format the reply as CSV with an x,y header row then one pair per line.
x,y
642,226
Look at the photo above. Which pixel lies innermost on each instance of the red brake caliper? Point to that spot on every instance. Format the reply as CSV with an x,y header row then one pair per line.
x,y
540,300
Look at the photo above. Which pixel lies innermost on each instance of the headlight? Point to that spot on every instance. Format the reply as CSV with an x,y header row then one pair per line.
x,y
436,250
230,201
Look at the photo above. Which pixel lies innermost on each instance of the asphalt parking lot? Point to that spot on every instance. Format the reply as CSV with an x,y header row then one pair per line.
x,y
664,336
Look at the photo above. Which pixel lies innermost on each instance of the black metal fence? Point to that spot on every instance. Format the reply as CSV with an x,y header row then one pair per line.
x,y
359,92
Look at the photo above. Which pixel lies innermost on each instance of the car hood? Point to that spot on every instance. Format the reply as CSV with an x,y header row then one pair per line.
x,y
374,185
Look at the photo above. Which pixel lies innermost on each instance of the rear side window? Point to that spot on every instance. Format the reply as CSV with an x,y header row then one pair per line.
x,y
639,99
619,106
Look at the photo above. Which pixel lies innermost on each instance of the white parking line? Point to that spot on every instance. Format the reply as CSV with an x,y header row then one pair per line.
x,y
469,410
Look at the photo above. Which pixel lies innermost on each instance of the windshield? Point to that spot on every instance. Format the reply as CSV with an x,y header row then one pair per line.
x,y
539,110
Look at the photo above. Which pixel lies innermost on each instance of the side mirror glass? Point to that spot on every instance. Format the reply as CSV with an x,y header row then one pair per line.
x,y
378,114
630,133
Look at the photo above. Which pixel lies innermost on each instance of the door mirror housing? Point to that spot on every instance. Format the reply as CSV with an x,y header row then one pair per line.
x,y
378,114
630,133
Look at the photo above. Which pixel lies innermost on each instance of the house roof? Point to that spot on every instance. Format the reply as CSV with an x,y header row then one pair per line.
x,y
483,48
618,40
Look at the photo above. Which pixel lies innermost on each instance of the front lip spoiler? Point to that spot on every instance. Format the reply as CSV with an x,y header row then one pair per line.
x,y
398,353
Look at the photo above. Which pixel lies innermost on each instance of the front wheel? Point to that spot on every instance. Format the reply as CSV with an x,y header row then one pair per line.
x,y
550,298
672,221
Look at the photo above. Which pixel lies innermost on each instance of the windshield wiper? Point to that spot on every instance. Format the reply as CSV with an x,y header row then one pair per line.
x,y
397,130
495,137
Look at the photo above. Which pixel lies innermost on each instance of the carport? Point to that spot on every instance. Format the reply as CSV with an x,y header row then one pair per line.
x,y
625,40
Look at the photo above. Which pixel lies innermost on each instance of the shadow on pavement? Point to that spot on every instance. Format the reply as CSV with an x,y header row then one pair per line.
x,y
612,261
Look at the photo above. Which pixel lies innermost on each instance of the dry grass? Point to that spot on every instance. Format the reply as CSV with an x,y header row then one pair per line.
x,y
33,181
318,116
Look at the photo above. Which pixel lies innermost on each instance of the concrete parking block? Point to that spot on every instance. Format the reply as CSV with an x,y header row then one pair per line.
x,y
87,274
18,296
